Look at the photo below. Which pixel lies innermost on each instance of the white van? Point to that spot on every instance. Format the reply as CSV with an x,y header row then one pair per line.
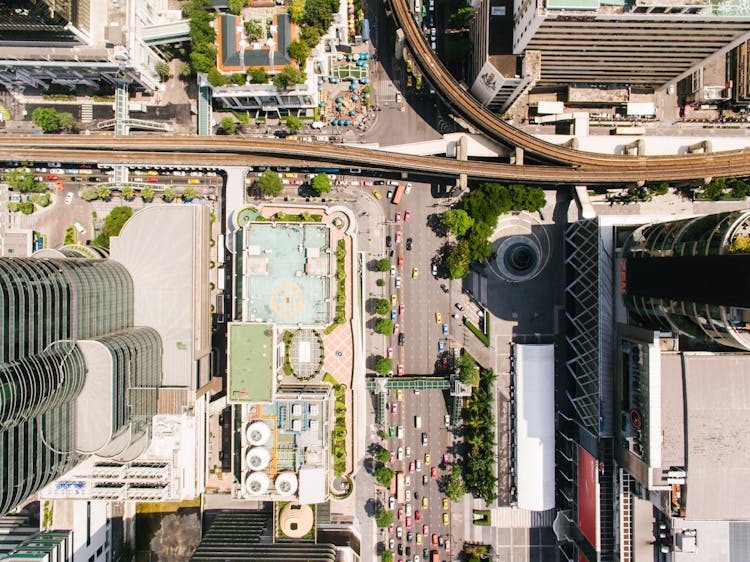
x,y
417,422
317,124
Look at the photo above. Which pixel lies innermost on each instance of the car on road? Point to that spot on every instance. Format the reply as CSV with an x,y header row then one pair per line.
x,y
69,198
401,310
376,194
424,439
194,181
438,318
419,538
424,479
398,237
445,329
50,177
59,185
434,539
411,467
433,472
399,432
407,215
408,505
399,532
397,218
400,514
394,299
400,454
459,306
409,538
446,503
425,554
444,287
408,495
434,270
441,346
394,408
398,281
400,396
400,261
390,353
400,548
388,241
392,431
409,243
414,272
398,97
396,328
400,370
196,174
152,179
446,520
79,227
392,529
408,521
417,515
447,420
393,457
393,315
425,502
389,195
418,465
425,529
401,338
427,458
179,173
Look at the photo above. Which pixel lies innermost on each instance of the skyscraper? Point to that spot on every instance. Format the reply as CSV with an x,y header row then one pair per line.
x,y
76,376
689,277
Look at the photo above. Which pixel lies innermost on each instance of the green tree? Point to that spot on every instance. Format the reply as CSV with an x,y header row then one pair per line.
x,y
383,265
384,326
188,194
258,75
310,35
147,194
269,183
457,221
659,189
456,488
168,195
294,124
382,306
113,225
383,366
103,192
380,282
297,10
235,6
216,78
254,30
239,79
41,199
457,260
383,518
383,476
386,556
382,455
319,13
459,20
18,180
47,119
201,62
186,71
299,51
26,207
162,69
468,372
89,194
67,122
321,184
128,193
228,125
288,77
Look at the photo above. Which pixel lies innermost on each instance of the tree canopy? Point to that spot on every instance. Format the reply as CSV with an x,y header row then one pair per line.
x,y
18,180
288,77
114,222
168,194
468,372
382,306
457,221
382,455
383,264
320,184
383,476
383,518
269,183
455,488
384,326
47,119
294,123
383,366
258,75
228,125
479,473
147,193
299,51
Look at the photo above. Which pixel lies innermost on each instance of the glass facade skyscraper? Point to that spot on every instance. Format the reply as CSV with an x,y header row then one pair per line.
x,y
76,377
689,276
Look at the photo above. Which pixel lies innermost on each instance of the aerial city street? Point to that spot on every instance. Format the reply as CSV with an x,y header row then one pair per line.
x,y
374,280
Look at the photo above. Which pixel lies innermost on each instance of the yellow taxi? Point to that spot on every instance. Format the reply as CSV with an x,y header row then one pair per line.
x,y
394,300
446,519
194,181
399,395
445,503
419,538
425,502
438,318
427,458
415,272
376,193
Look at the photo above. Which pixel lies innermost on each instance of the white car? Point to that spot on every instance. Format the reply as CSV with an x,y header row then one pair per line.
x,y
69,198
211,174
408,495
392,503
398,97
393,271
398,282
408,189
400,454
408,510
197,174
408,451
179,173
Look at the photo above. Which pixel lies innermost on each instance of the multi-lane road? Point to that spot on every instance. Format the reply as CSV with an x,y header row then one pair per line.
x,y
217,152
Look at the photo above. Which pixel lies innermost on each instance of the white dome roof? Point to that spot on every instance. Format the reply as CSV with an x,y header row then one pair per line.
x,y
257,458
286,483
256,483
258,433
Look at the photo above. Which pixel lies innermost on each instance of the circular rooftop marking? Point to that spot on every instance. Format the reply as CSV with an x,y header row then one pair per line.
x,y
287,300
518,258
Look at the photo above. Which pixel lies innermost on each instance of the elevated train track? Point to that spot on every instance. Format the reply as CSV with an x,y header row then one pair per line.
x,y
228,151
465,105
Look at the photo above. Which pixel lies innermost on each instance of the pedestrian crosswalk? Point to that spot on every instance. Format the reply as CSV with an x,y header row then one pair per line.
x,y
87,113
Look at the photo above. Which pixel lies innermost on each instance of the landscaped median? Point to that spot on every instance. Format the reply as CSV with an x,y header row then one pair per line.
x,y
339,427
484,338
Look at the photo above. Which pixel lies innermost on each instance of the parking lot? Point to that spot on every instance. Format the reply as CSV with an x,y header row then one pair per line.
x,y
423,516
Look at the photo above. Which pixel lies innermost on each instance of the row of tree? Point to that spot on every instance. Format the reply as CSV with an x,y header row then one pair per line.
x,y
146,193
52,121
479,424
269,183
475,219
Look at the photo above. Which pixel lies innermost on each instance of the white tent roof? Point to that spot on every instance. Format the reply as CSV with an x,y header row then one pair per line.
x,y
535,426
312,484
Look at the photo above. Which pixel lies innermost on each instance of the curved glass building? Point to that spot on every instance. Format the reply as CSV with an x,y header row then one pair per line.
x,y
76,377
690,276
